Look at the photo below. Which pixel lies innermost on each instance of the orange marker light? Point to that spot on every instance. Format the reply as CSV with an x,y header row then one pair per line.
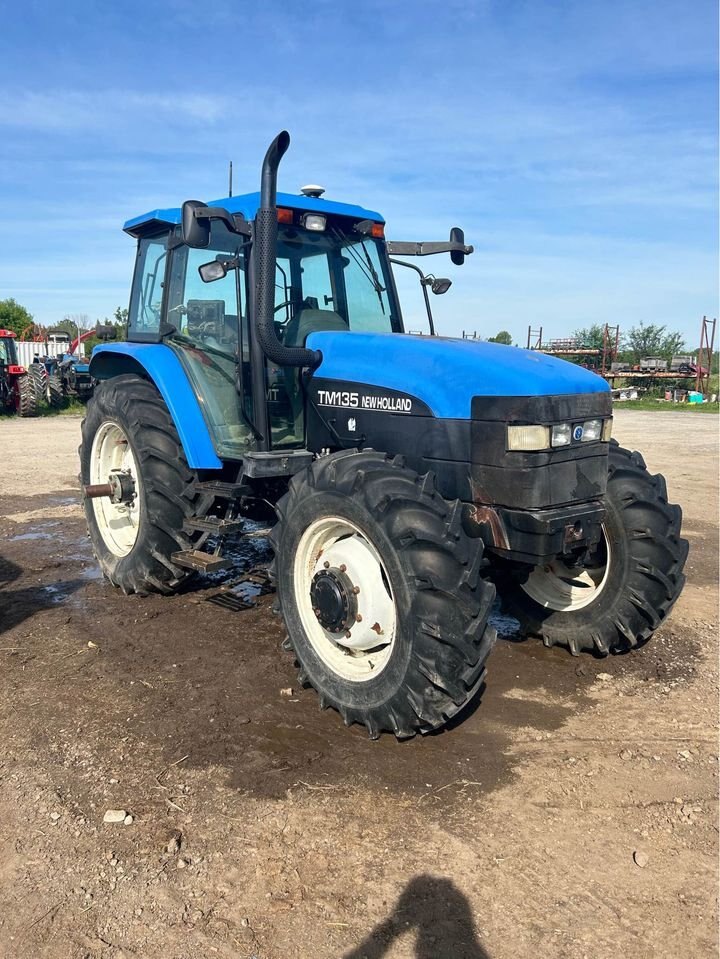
x,y
377,230
284,215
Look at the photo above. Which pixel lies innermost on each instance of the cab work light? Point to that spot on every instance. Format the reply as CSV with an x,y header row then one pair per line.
x,y
314,221
528,437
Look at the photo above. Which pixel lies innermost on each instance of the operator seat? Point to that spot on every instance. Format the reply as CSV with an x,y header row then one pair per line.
x,y
305,322
308,321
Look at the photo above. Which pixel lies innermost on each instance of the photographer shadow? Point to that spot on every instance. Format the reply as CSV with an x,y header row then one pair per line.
x,y
437,913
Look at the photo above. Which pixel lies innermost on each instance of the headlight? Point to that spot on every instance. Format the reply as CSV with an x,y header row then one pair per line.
x,y
562,434
536,437
592,430
528,437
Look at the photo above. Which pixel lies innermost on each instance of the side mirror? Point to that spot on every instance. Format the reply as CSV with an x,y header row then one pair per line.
x,y
195,232
457,236
440,285
214,270
218,268
105,333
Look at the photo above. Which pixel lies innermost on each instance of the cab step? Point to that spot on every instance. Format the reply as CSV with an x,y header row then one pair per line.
x,y
219,489
197,559
214,524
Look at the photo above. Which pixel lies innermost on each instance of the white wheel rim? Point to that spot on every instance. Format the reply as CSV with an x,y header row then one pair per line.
x,y
564,588
334,543
118,522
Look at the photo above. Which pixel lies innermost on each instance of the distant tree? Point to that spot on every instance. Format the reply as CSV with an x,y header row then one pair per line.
x,y
74,323
653,340
502,337
14,317
121,315
591,337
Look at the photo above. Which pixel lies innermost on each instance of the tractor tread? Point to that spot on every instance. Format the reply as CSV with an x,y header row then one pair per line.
x,y
169,485
448,607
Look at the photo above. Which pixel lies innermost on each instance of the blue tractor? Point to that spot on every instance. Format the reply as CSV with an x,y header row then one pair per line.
x,y
407,478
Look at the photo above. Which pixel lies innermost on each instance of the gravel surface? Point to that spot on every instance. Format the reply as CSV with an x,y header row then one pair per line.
x,y
573,813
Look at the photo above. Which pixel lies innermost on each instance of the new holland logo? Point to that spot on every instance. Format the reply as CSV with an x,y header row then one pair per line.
x,y
578,433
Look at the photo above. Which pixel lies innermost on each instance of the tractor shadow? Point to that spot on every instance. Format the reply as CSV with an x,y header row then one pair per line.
x,y
437,913
18,605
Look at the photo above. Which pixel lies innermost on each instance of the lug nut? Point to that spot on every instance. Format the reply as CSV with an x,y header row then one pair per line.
x,y
343,568
348,634
358,618
326,564
356,590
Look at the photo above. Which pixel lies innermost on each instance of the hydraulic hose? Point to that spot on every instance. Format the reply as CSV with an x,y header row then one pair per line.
x,y
265,243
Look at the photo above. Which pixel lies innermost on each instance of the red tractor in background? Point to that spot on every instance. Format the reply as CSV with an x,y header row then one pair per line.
x,y
16,388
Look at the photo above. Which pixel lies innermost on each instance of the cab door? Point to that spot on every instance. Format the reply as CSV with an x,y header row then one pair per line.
x,y
208,330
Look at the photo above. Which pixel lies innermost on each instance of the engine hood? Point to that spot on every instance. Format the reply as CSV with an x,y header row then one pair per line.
x,y
446,374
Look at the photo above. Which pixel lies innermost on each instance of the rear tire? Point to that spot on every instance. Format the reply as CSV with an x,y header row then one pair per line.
x,y
419,579
129,410
631,587
38,379
55,395
25,399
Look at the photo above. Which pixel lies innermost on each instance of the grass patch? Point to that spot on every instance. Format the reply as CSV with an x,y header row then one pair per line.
x,y
665,406
71,407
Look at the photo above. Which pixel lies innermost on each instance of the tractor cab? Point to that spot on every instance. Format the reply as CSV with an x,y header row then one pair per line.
x,y
8,350
332,273
16,390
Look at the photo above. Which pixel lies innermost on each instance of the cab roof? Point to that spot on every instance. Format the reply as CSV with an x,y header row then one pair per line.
x,y
248,204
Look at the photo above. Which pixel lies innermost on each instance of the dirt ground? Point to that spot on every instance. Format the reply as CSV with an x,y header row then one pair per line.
x,y
571,814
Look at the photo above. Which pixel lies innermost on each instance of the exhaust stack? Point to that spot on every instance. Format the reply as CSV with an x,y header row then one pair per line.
x,y
265,243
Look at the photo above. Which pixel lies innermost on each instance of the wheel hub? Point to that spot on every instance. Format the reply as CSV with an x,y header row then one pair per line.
x,y
115,488
334,599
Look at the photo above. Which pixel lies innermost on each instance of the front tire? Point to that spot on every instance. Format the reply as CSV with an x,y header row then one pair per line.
x,y
128,428
380,590
631,581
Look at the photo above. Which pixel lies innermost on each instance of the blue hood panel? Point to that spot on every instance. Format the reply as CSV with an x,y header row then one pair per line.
x,y
445,374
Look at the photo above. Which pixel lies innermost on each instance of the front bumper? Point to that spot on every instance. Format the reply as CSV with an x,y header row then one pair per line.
x,y
535,536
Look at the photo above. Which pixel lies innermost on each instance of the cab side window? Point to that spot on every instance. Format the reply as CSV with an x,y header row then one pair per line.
x,y
146,300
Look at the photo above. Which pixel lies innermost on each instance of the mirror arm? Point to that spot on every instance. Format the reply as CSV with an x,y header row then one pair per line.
x,y
236,222
423,284
425,248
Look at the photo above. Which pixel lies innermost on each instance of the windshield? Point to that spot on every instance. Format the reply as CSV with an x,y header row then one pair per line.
x,y
332,280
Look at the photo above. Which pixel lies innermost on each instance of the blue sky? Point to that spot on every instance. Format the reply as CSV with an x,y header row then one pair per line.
x,y
576,143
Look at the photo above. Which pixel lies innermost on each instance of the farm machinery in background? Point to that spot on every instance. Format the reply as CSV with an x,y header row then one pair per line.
x,y
16,388
684,365
58,370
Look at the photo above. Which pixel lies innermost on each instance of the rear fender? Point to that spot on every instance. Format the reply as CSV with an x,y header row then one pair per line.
x,y
158,363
